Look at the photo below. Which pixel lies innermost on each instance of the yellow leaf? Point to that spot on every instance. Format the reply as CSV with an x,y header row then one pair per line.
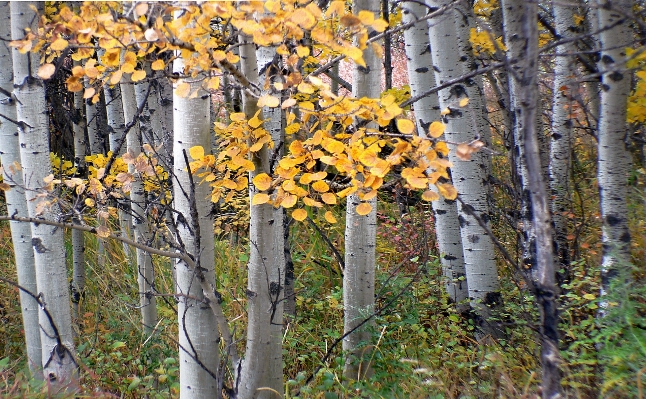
x,y
429,195
379,25
364,208
303,18
442,148
89,92
448,191
302,51
417,182
262,181
290,102
436,129
305,88
260,198
59,44
299,214
158,65
268,101
405,126
183,89
464,102
4,186
238,117
196,152
138,75
214,83
310,202
329,198
46,71
89,202
366,17
103,232
321,186
330,217
445,111
368,158
289,201
116,77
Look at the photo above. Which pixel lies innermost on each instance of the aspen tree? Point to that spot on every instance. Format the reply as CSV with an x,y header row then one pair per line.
x,y
198,329
17,201
468,177
360,233
58,354
427,110
614,159
262,364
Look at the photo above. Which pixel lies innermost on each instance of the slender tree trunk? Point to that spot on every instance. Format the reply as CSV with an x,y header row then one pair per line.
x,y
198,337
116,127
141,229
262,365
360,234
422,79
563,93
469,177
58,351
17,202
513,23
78,239
614,158
521,32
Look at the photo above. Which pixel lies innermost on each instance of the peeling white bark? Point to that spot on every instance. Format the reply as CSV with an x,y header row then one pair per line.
x,y
360,234
60,368
198,329
468,177
17,202
614,158
140,226
427,110
262,365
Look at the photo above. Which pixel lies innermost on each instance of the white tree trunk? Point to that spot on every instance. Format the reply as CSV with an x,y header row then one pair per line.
x,y
468,176
262,365
198,329
563,99
116,127
361,234
78,239
521,34
614,159
17,202
140,227
58,355
422,78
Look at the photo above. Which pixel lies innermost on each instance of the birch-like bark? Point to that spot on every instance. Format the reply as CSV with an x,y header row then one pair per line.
x,y
140,226
16,200
116,127
360,234
614,158
427,110
198,337
58,351
262,365
516,43
563,99
469,177
78,238
521,33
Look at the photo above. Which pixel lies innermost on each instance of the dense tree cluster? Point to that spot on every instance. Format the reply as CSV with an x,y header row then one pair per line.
x,y
174,127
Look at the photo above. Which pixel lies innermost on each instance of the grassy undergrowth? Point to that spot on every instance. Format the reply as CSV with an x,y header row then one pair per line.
x,y
423,348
